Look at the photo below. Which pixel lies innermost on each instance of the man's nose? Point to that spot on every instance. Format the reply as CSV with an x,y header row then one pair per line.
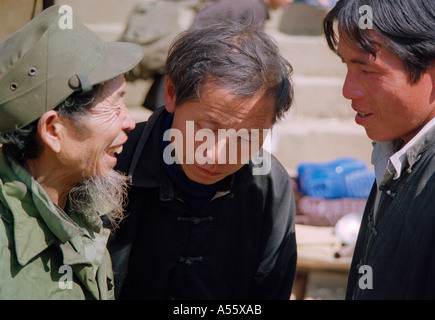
x,y
128,122
351,87
216,152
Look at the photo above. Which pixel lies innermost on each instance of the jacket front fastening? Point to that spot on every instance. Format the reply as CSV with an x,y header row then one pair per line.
x,y
397,245
240,245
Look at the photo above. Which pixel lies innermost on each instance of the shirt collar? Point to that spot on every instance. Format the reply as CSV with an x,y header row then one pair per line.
x,y
146,168
390,159
32,235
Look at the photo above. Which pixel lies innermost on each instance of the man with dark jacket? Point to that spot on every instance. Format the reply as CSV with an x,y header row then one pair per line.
x,y
389,50
209,215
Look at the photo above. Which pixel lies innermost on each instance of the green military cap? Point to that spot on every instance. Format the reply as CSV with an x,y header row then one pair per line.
x,y
43,63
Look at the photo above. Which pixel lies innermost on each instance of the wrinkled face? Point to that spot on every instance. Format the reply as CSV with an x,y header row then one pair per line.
x,y
90,144
216,121
387,104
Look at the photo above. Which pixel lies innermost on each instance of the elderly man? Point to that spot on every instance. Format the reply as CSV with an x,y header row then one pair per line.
x,y
62,120
389,50
205,221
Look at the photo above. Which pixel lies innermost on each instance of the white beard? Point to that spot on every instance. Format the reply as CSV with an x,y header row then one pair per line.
x,y
98,196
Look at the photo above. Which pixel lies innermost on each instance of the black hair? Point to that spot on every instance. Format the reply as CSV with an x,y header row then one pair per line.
x,y
231,55
406,26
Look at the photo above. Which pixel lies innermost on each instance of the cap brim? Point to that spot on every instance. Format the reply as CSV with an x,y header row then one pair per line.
x,y
117,58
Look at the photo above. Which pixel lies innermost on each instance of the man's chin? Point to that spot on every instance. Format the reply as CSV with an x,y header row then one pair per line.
x,y
204,178
102,173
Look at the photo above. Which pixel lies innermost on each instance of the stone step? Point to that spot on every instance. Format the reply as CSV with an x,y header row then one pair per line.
x,y
316,97
97,11
298,139
298,31
306,51
320,97
301,19
309,55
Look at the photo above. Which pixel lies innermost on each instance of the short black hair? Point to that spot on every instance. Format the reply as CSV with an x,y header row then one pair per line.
x,y
407,26
232,55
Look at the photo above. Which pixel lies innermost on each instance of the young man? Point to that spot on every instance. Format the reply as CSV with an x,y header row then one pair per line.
x,y
389,50
204,221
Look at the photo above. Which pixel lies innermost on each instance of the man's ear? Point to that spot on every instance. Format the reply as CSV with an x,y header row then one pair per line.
x,y
169,95
49,129
431,71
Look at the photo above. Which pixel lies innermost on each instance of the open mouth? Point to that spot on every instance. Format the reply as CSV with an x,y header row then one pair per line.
x,y
363,114
114,150
360,113
362,118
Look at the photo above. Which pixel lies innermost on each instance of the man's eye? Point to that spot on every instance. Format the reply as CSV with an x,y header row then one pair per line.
x,y
117,110
206,126
367,70
244,137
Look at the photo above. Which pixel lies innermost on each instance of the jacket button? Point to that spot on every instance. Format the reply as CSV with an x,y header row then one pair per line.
x,y
32,71
13,86
195,220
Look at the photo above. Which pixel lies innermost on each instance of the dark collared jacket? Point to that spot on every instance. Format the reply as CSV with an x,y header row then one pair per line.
x,y
399,245
241,245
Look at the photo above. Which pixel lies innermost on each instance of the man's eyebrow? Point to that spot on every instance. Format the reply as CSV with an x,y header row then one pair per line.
x,y
354,60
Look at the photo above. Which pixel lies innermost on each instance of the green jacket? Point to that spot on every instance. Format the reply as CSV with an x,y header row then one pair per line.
x,y
45,253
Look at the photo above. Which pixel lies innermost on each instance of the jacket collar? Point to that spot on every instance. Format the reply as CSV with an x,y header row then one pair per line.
x,y
37,222
390,158
146,168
